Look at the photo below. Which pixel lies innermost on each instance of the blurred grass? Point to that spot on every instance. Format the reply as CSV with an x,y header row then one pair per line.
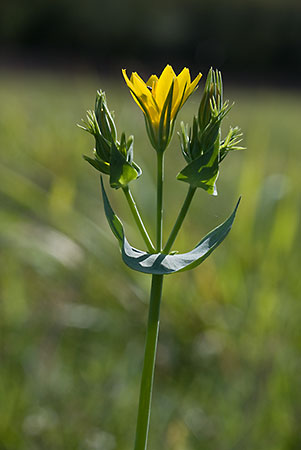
x,y
73,317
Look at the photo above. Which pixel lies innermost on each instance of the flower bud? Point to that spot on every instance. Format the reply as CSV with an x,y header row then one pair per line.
x,y
213,93
104,117
111,157
201,145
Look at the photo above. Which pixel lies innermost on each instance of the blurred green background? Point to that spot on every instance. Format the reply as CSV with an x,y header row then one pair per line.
x,y
72,316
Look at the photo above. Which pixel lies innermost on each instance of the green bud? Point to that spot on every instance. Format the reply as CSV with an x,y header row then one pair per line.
x,y
202,145
104,117
213,93
111,157
100,124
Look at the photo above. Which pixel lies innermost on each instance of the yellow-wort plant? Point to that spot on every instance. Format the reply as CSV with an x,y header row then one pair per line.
x,y
203,148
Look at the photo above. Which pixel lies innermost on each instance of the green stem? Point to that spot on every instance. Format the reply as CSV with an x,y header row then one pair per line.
x,y
138,220
160,179
180,219
152,333
149,364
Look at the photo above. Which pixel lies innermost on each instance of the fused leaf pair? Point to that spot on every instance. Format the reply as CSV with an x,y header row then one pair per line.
x,y
111,157
160,263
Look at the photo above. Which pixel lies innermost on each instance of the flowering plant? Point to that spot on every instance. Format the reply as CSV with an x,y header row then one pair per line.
x,y
203,149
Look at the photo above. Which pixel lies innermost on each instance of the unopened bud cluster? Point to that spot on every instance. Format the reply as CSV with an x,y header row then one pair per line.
x,y
201,144
111,157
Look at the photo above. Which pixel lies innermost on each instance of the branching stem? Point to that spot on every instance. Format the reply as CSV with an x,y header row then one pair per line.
x,y
138,219
180,219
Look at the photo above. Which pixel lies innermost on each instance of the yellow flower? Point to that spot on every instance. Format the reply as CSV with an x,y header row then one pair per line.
x,y
160,100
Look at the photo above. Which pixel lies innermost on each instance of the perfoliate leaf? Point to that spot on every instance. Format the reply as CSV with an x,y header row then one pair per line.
x,y
201,172
160,263
121,172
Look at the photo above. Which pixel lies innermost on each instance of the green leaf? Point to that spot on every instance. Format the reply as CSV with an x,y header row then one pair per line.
x,y
159,263
121,171
201,172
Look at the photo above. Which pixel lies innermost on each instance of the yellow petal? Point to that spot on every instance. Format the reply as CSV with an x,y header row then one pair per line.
x,y
146,96
140,92
128,82
181,84
152,81
193,85
163,85
184,77
151,96
140,87
131,87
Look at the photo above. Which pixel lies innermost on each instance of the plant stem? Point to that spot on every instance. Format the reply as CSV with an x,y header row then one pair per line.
x,y
180,219
153,323
160,179
138,220
149,364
